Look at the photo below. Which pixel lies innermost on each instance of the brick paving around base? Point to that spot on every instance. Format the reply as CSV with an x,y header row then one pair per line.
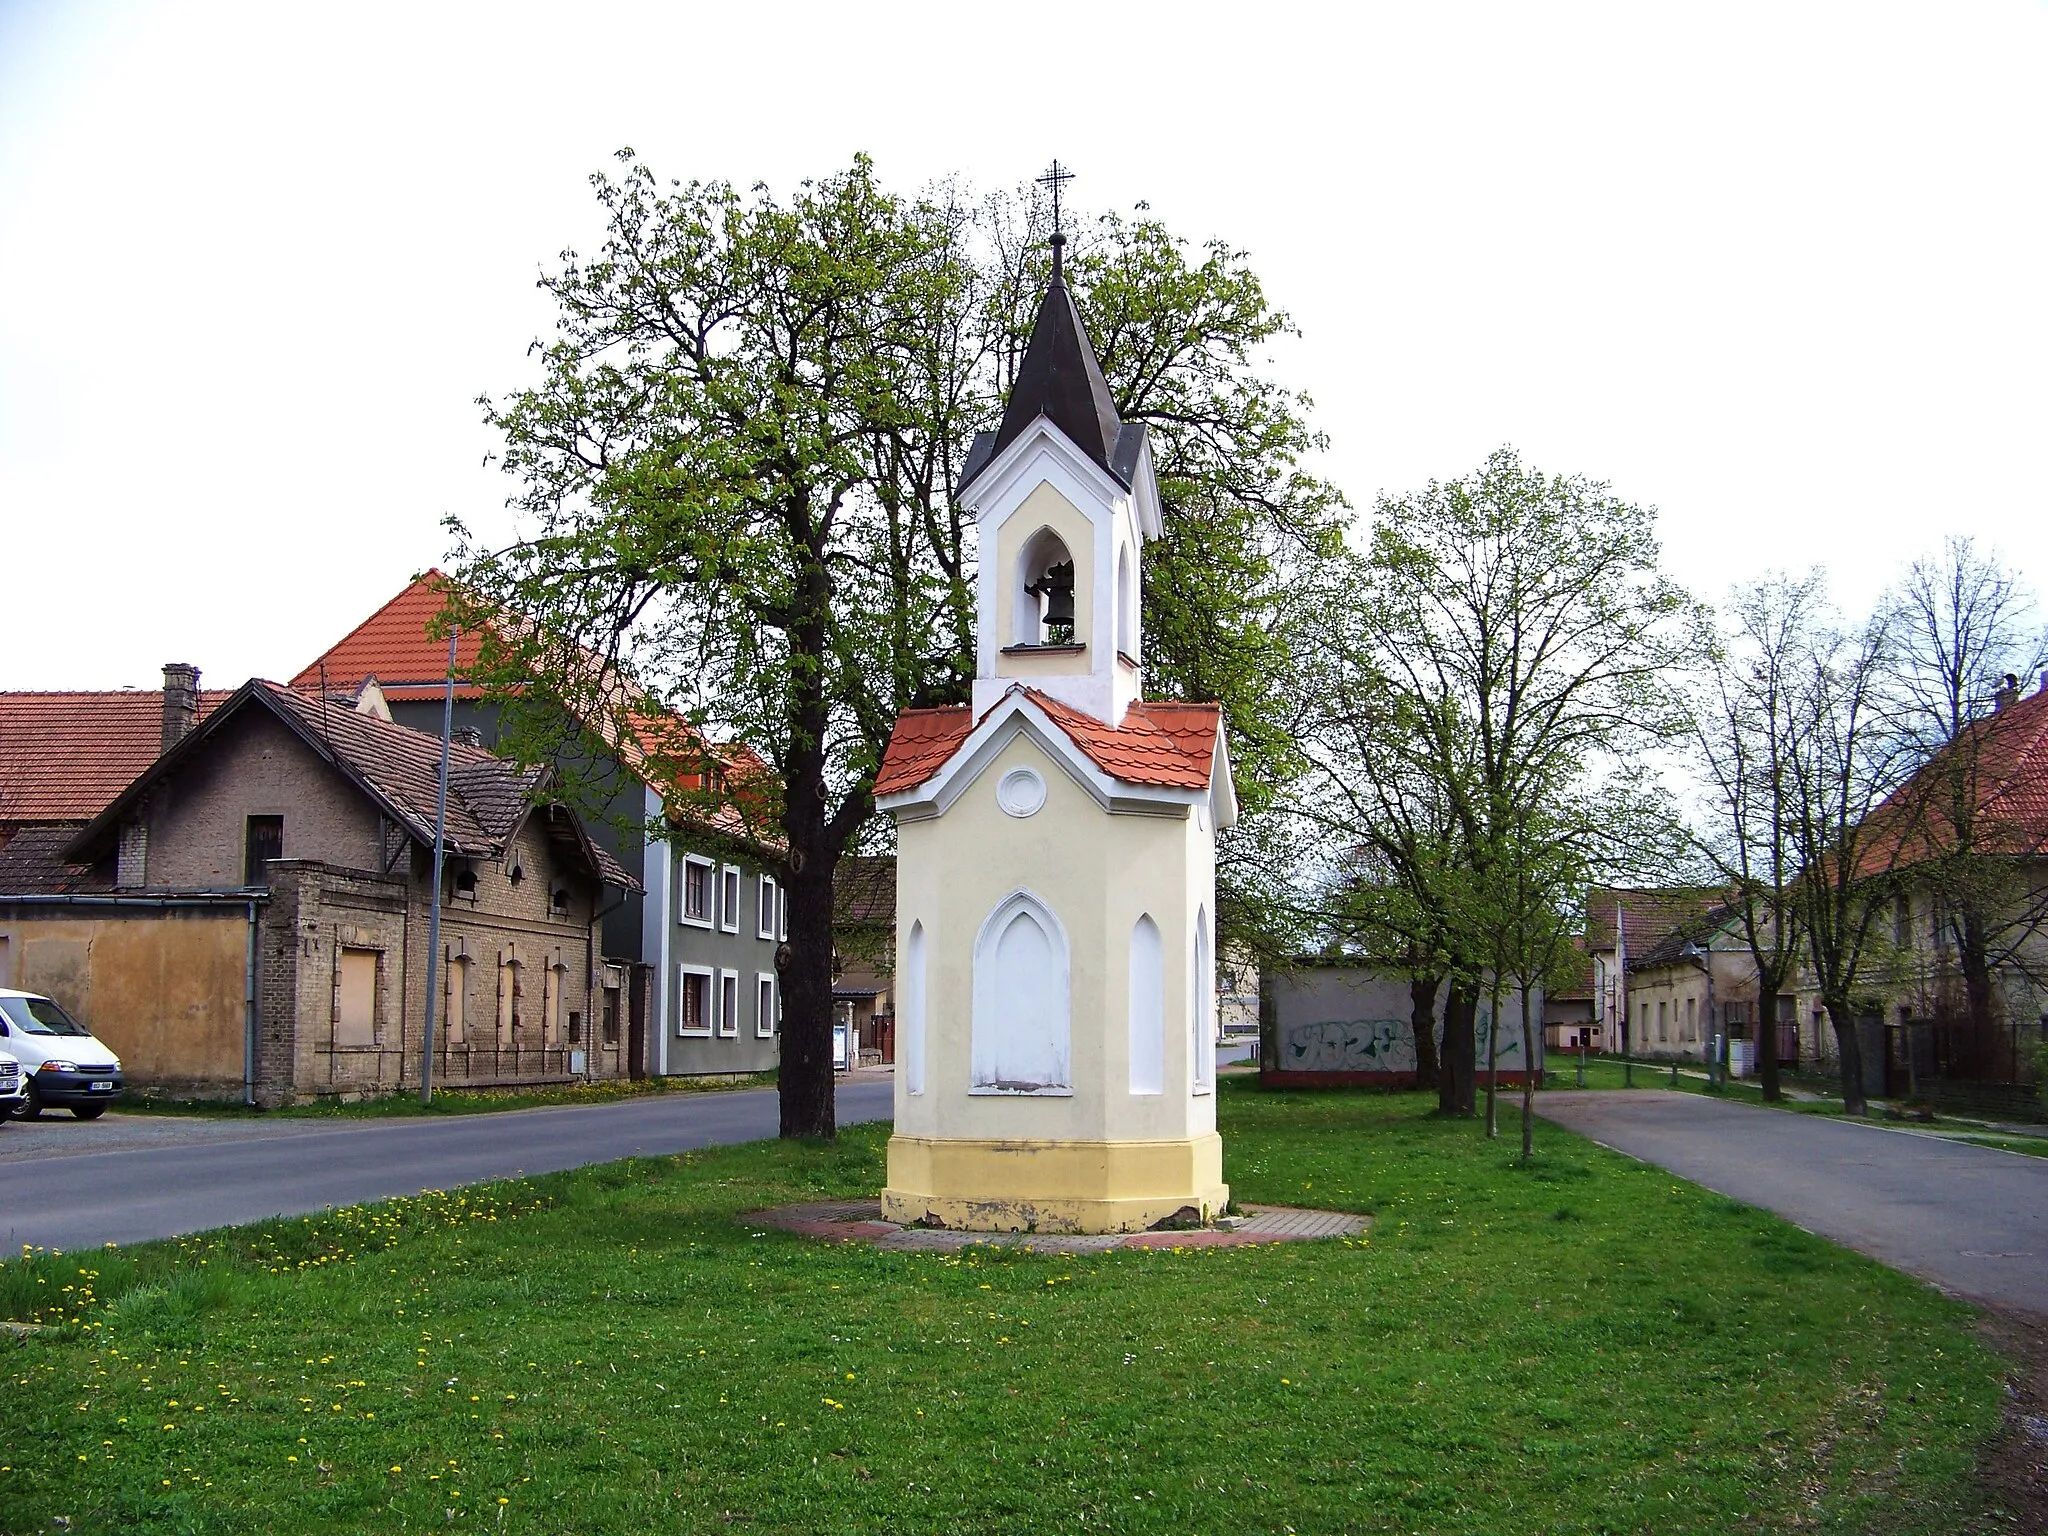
x,y
860,1221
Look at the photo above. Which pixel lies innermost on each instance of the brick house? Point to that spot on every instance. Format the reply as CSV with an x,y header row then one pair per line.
x,y
700,930
250,913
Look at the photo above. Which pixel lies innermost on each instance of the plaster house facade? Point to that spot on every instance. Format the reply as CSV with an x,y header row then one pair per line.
x,y
250,915
1957,858
697,938
1055,964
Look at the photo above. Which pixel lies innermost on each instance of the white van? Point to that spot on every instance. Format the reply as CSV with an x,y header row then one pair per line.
x,y
12,1099
61,1063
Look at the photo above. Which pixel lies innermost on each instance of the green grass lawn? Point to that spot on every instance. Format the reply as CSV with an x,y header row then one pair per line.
x,y
1588,1345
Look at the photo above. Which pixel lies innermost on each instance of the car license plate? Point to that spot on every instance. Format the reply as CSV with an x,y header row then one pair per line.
x,y
102,1086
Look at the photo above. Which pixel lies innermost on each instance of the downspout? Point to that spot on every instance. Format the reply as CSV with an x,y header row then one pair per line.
x,y
249,1012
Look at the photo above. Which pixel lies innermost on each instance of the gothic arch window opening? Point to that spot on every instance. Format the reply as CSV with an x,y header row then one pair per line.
x,y
1203,1011
1022,1023
913,1010
1147,1008
1045,592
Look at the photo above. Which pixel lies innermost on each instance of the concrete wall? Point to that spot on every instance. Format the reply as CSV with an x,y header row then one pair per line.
x,y
1352,1026
162,987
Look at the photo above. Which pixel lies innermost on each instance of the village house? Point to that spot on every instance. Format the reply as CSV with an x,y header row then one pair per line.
x,y
1955,1004
249,915
694,944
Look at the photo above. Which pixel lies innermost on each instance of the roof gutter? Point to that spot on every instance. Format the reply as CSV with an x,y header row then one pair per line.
x,y
139,899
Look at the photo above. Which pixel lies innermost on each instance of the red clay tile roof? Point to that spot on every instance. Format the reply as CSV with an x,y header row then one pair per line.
x,y
1649,916
920,745
394,646
1172,746
64,756
2000,765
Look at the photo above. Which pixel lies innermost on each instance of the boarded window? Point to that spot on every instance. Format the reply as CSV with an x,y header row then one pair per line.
x,y
913,1010
262,841
455,1011
509,994
355,998
611,1016
1022,1028
551,1006
1148,1008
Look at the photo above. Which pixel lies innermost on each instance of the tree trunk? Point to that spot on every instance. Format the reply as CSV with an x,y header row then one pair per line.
x,y
1850,1053
1528,1079
1492,1061
1974,961
804,970
1422,1019
1454,1094
1767,1042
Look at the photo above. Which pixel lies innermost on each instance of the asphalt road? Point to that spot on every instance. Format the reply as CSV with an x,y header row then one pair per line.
x,y
1971,1220
188,1180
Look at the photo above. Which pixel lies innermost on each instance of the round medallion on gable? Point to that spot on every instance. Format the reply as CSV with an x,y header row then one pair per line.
x,y
1021,791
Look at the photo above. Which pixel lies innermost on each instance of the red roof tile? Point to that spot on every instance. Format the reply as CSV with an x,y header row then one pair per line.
x,y
921,744
1999,765
64,756
394,646
1169,745
1172,746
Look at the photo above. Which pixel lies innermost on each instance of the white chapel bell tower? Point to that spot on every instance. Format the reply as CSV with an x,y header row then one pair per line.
x,y
1056,906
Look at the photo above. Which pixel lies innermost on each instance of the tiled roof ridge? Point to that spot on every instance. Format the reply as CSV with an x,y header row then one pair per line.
x,y
423,579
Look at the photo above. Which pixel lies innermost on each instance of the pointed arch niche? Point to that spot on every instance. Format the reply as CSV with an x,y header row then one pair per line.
x,y
1022,1032
913,1010
1043,563
1202,995
1148,1008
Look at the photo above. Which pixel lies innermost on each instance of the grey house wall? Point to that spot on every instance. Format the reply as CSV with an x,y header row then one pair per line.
x,y
742,947
650,928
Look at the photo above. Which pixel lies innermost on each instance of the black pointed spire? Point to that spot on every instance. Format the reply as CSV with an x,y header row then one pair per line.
x,y
1060,378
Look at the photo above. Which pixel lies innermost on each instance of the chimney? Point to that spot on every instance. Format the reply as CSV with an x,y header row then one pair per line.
x,y
181,702
467,736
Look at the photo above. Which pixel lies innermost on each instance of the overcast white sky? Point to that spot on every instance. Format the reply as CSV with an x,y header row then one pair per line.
x,y
1776,269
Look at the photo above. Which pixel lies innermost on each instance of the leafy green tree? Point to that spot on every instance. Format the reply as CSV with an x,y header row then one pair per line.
x,y
736,480
1501,648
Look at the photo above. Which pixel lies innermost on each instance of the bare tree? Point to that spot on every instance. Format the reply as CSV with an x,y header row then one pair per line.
x,y
1747,726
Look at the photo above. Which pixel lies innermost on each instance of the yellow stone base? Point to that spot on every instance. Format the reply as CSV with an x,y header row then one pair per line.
x,y
1052,1186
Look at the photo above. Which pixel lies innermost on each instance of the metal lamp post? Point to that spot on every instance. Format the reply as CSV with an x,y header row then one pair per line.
x,y
434,901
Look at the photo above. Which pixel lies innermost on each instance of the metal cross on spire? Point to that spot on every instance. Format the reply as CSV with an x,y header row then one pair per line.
x,y
1056,177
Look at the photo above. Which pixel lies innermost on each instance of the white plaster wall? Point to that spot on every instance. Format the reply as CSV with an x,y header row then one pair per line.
x,y
1099,873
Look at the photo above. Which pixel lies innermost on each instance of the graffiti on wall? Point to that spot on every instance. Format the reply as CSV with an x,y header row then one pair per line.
x,y
1354,1045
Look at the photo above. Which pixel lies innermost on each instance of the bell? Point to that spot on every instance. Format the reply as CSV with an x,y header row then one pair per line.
x,y
1058,588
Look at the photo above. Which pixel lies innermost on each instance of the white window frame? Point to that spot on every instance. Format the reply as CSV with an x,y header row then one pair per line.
x,y
767,1015
710,976
781,912
683,891
764,897
728,1019
731,879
